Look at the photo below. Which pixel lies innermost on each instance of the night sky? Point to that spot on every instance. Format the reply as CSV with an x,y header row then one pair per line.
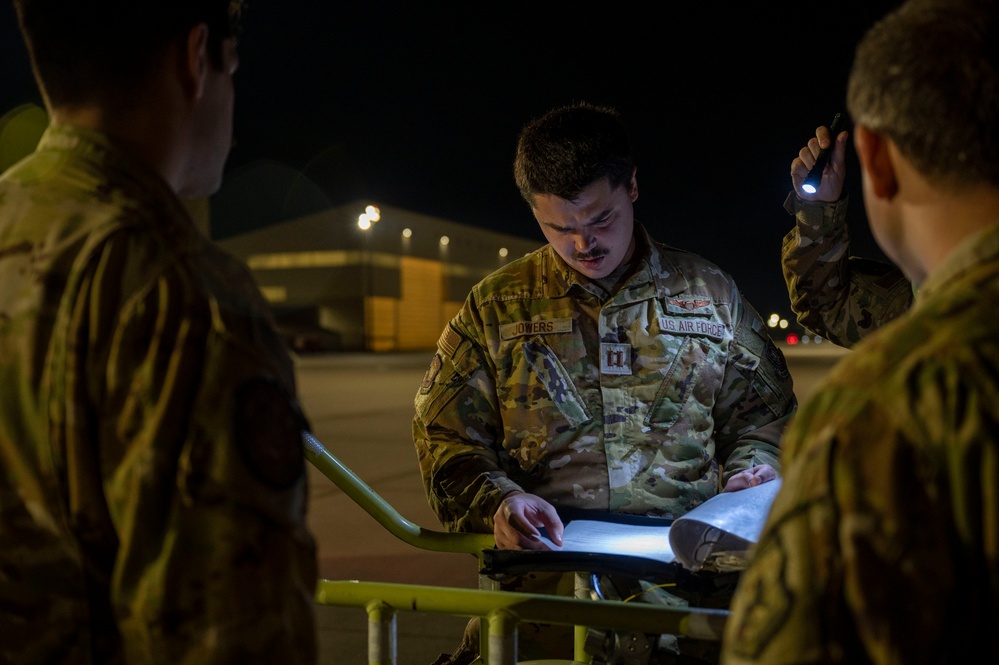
x,y
418,105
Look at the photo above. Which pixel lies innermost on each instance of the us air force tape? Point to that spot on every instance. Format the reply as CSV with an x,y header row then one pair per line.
x,y
268,427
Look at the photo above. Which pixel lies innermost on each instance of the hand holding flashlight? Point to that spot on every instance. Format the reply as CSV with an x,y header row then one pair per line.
x,y
814,177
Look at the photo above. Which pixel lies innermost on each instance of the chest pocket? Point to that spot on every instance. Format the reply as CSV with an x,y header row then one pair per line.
x,y
678,386
555,380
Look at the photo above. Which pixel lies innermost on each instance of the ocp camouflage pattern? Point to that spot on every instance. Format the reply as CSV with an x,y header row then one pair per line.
x,y
152,481
882,545
639,402
839,297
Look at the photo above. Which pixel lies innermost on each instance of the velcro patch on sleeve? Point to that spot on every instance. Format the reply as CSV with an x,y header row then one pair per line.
x,y
448,341
431,374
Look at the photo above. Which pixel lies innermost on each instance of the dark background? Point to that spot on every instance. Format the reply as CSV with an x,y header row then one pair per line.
x,y
418,105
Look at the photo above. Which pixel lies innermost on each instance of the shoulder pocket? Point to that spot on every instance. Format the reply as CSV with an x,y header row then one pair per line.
x,y
451,368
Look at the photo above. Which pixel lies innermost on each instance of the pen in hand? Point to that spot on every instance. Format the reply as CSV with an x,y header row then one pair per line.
x,y
814,177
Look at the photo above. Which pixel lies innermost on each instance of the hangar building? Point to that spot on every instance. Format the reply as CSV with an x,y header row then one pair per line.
x,y
362,276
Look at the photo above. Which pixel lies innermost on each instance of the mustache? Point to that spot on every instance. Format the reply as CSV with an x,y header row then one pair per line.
x,y
595,254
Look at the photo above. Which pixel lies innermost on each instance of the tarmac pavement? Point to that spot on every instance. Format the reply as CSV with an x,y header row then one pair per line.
x,y
360,407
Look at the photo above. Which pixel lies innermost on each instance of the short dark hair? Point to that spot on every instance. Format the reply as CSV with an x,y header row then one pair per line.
x,y
81,49
927,76
570,148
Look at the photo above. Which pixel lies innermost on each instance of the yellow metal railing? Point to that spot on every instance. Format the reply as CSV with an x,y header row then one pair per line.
x,y
373,504
502,610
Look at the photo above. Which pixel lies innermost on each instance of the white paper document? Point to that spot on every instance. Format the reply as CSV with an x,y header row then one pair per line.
x,y
716,534
651,542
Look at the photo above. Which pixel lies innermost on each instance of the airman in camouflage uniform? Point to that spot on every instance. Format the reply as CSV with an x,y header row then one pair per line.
x,y
837,296
882,545
152,481
644,401
604,371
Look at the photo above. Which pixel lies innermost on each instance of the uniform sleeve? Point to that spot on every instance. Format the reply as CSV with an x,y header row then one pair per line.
x,y
203,469
456,430
876,547
756,398
837,296
791,588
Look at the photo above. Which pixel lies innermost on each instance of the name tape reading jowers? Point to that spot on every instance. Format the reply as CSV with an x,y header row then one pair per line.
x,y
536,327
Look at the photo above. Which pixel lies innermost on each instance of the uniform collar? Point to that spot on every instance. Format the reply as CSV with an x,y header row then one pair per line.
x,y
98,151
975,250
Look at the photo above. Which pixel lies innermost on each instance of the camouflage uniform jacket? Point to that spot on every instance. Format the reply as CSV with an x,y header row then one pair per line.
x,y
834,295
630,402
152,481
883,544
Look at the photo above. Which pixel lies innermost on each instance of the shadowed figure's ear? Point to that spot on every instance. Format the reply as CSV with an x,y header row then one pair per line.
x,y
195,63
875,158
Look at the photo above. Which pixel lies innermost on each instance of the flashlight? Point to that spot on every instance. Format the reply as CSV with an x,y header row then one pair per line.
x,y
814,177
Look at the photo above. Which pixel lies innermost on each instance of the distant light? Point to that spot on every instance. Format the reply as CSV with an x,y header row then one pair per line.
x,y
373,213
503,252
772,321
445,240
364,221
792,339
783,323
407,233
